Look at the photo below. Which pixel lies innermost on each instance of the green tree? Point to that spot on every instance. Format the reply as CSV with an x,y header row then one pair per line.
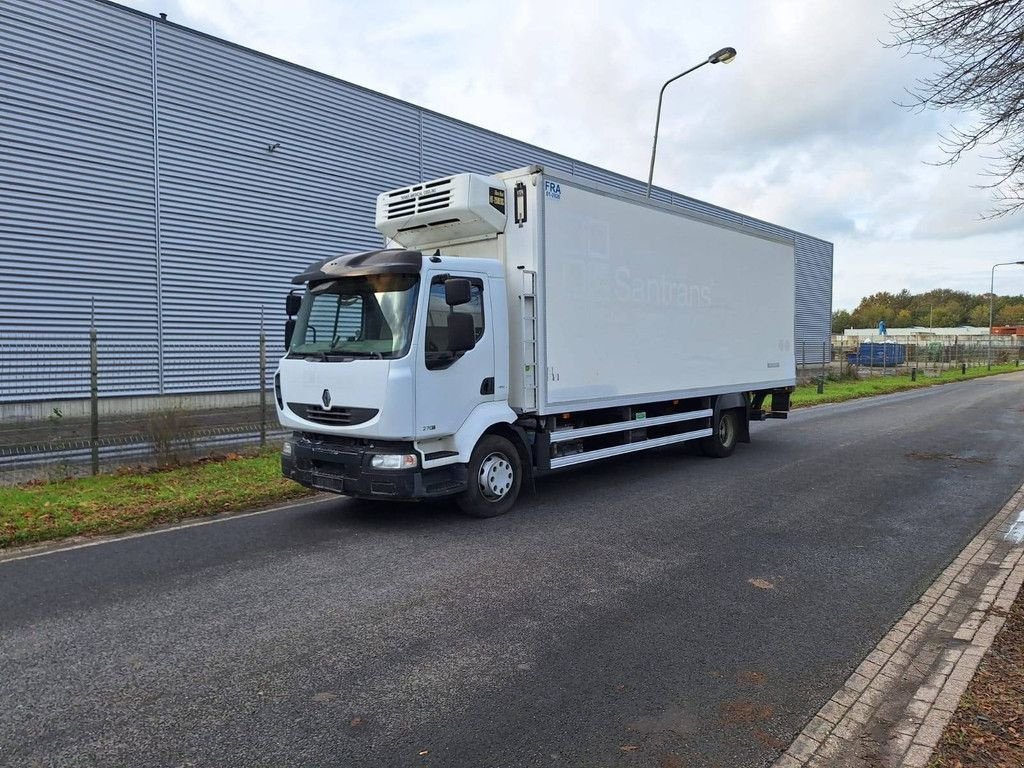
x,y
978,316
1011,314
948,314
874,309
841,320
903,300
939,307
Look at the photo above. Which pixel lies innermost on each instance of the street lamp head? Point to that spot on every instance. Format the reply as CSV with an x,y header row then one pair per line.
x,y
723,56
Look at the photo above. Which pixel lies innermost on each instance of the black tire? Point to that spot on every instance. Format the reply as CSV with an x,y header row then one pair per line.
x,y
495,477
722,442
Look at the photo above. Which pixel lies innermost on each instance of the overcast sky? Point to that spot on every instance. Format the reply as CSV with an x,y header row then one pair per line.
x,y
801,129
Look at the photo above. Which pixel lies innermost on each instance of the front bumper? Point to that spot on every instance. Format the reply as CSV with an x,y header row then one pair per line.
x,y
344,467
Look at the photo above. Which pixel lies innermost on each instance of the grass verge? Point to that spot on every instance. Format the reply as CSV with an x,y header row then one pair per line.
x,y
852,389
126,502
987,728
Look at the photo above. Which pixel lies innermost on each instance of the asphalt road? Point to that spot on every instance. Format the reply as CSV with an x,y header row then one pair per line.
x,y
664,610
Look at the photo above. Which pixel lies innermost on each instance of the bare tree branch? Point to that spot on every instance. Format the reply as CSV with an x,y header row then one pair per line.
x,y
979,47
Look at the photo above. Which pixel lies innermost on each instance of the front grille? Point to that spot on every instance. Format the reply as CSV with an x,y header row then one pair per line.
x,y
334,417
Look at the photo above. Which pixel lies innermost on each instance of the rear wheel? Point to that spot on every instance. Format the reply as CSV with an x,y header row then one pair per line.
x,y
722,441
495,477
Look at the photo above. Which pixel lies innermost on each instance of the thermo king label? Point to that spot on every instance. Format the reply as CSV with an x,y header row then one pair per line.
x,y
496,198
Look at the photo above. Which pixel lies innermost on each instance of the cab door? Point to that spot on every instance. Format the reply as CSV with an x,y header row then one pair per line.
x,y
451,384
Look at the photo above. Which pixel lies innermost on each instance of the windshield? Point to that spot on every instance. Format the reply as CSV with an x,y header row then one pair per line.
x,y
368,316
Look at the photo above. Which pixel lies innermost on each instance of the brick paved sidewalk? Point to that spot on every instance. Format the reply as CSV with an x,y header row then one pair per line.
x,y
893,708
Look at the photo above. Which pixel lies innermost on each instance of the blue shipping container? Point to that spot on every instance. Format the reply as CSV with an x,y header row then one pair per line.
x,y
877,355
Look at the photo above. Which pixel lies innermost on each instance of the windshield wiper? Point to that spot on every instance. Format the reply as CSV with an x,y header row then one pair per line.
x,y
323,355
358,353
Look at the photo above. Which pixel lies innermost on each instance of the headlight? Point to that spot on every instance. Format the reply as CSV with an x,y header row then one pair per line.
x,y
393,461
286,449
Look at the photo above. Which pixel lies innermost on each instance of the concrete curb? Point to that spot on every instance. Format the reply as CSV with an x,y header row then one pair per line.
x,y
894,707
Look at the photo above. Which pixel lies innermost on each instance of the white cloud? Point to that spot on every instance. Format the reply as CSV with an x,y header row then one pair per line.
x,y
801,129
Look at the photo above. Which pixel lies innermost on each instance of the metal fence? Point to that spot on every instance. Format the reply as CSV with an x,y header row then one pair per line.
x,y
48,429
893,355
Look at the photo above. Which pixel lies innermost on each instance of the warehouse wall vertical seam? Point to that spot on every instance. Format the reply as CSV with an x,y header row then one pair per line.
x,y
156,208
419,123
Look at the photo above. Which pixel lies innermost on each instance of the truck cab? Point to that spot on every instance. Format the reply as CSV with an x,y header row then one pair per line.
x,y
397,362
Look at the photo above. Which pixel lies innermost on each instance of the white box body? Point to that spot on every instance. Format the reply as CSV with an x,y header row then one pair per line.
x,y
635,301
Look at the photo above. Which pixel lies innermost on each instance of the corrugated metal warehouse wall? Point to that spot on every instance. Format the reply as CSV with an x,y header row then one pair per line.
x,y
77,213
237,220
176,182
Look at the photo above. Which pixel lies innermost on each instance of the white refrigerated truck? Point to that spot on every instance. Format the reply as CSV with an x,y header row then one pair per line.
x,y
526,322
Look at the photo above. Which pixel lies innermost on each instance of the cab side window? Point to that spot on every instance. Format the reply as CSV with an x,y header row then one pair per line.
x,y
438,354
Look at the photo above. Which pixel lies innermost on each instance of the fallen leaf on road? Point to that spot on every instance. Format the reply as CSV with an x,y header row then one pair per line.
x,y
769,741
629,747
750,677
356,722
744,712
761,583
322,697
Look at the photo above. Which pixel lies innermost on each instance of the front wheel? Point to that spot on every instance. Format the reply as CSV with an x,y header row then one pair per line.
x,y
722,441
495,477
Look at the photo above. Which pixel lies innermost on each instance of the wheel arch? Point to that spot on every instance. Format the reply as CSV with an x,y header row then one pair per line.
x,y
484,417
517,436
735,401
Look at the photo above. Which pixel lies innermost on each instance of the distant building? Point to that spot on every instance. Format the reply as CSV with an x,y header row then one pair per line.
x,y
918,332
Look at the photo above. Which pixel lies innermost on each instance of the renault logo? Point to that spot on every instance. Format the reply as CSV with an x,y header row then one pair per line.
x,y
326,398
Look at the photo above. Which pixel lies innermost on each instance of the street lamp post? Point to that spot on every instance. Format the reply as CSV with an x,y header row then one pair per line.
x,y
723,56
992,304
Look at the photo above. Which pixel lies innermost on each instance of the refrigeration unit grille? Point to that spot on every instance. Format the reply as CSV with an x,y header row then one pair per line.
x,y
421,198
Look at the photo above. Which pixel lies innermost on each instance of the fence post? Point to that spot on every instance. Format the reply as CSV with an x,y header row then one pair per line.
x,y
94,399
263,383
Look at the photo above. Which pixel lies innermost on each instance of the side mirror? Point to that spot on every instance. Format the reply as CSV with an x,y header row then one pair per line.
x,y
456,291
461,336
289,331
292,303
